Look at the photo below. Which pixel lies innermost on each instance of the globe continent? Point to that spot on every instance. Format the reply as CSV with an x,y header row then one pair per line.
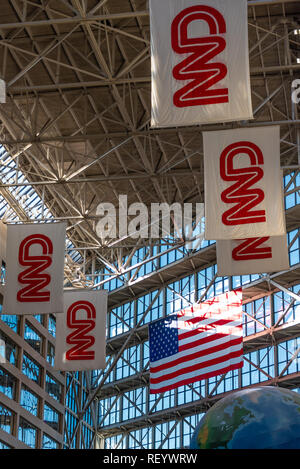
x,y
257,418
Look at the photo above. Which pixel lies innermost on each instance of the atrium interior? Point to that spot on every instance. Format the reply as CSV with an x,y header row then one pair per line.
x,y
76,132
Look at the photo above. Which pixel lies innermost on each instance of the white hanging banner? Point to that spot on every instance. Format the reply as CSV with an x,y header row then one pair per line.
x,y
35,255
199,62
243,183
81,331
252,256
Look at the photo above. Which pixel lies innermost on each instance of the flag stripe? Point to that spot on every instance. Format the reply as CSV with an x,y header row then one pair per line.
x,y
213,314
187,353
207,339
203,352
202,325
195,364
175,384
209,330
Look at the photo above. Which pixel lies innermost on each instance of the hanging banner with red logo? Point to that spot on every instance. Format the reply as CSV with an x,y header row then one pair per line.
x,y
243,184
35,255
81,331
252,255
199,62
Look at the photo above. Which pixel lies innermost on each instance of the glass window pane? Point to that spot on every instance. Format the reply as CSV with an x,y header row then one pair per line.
x,y
29,401
7,384
49,443
31,369
11,320
4,445
10,349
27,433
53,388
33,338
50,353
6,419
52,325
51,417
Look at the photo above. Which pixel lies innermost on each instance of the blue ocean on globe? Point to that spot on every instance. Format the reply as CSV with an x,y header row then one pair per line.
x,y
263,417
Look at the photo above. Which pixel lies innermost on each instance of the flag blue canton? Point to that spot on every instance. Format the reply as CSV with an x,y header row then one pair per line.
x,y
163,338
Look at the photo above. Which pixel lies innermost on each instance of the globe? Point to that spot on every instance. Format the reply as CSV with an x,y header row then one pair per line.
x,y
257,418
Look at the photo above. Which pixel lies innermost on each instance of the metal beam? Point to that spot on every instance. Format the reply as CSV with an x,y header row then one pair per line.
x,y
15,90
285,290
137,133
75,19
103,178
257,3
99,158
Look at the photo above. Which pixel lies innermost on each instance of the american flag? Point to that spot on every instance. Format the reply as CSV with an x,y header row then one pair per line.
x,y
197,343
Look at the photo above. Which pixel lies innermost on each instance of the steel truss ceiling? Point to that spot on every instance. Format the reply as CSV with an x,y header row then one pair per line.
x,y
77,125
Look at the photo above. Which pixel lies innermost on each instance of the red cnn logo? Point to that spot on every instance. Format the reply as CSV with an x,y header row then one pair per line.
x,y
242,193
34,277
79,339
251,249
197,66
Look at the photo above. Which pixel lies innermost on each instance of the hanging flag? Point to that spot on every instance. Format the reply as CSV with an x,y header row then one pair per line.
x,y
81,331
199,62
243,184
252,255
35,255
197,343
